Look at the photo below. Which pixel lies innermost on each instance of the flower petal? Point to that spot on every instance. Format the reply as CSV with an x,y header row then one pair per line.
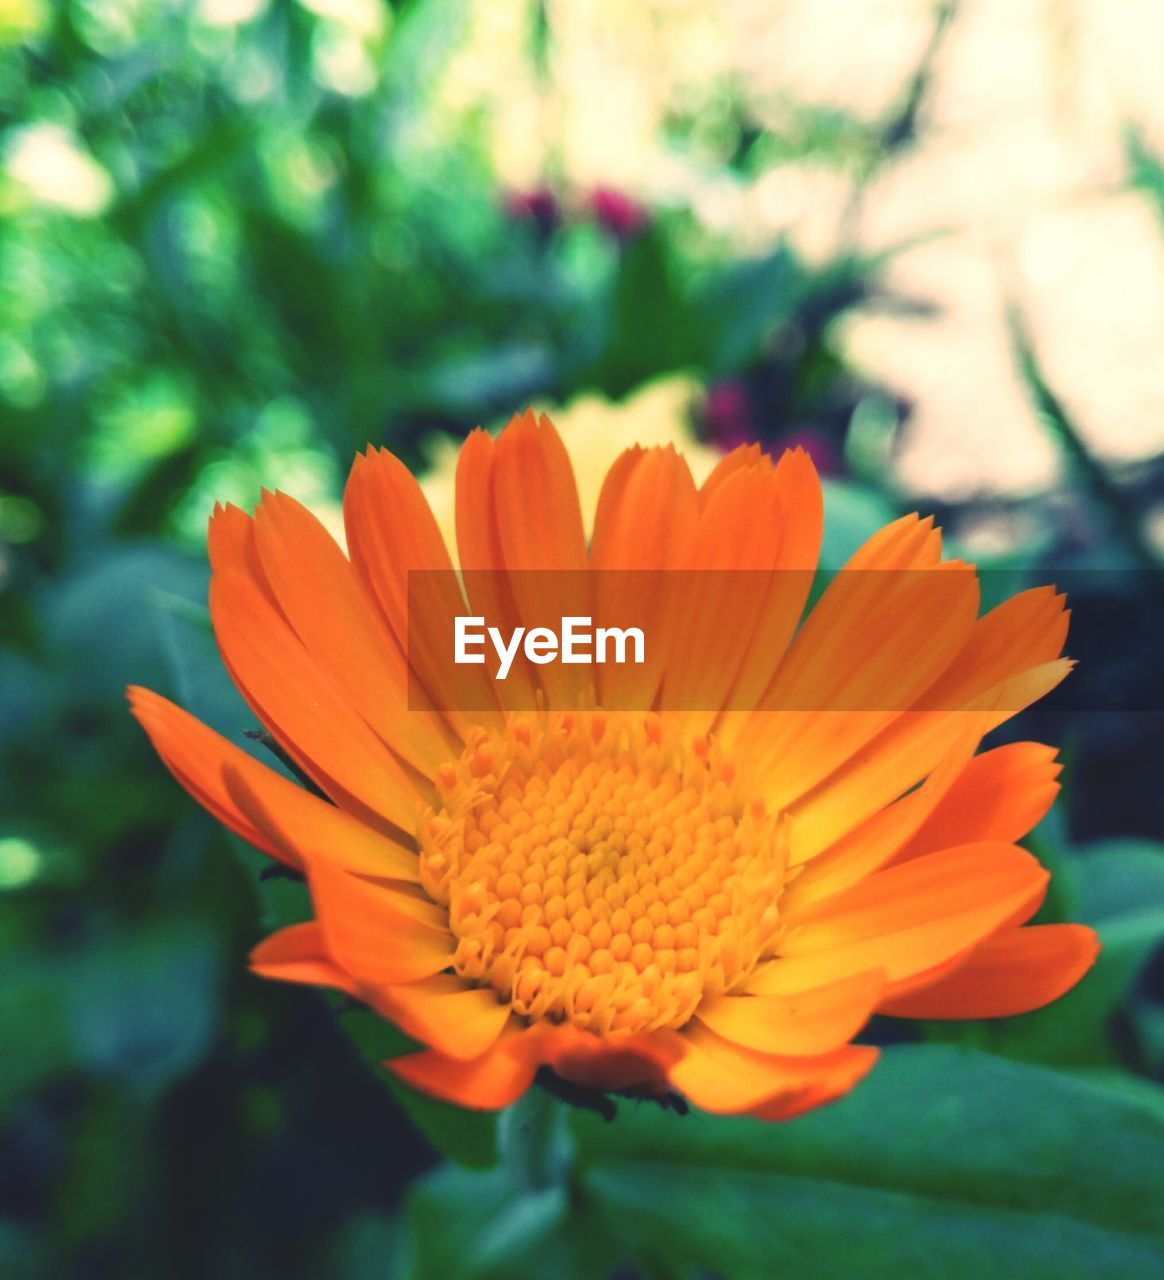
x,y
739,597
321,597
884,770
391,532
196,755
857,660
873,844
851,677
638,1060
482,558
543,543
725,1078
999,795
488,1083
1027,631
541,527
309,830
906,919
455,1019
298,954
1013,972
316,724
911,542
648,502
399,555
798,495
830,1087
646,509
807,1022
230,544
373,932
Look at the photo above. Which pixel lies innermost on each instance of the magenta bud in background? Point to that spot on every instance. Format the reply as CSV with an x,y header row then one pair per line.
x,y
620,214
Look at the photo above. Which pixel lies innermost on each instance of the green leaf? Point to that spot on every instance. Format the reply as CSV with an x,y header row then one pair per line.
x,y
743,303
31,997
23,1256
654,327
1121,878
141,1007
473,1226
944,1163
519,1218
102,622
197,677
467,1137
148,503
144,1006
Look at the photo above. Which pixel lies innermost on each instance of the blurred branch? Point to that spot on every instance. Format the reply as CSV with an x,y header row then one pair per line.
x,y
899,128
1092,474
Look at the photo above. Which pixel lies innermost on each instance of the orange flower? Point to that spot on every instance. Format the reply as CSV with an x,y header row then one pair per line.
x,y
712,902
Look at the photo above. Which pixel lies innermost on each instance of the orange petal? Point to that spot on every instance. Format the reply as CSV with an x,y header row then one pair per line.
x,y
647,503
316,725
746,576
738,530
445,1013
543,544
818,682
726,1078
874,643
391,532
494,1080
306,829
483,559
400,556
539,516
741,458
373,932
911,542
828,1089
523,549
230,544
298,954
881,772
478,540
1013,972
798,495
196,756
647,507
638,1060
805,1022
999,795
1028,630
321,597
873,844
907,918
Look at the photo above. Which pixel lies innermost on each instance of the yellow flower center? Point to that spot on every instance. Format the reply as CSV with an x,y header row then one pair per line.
x,y
596,874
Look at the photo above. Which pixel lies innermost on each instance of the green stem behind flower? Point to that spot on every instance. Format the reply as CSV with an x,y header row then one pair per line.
x,y
533,1140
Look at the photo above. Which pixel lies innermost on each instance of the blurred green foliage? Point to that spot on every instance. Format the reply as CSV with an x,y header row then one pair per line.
x,y
1010,1170
236,276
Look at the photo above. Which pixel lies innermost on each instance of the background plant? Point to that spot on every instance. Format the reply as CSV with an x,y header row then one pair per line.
x,y
236,246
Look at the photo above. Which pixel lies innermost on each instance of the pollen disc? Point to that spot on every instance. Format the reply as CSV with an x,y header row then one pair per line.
x,y
596,874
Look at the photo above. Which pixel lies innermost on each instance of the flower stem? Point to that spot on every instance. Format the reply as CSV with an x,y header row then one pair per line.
x,y
533,1140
